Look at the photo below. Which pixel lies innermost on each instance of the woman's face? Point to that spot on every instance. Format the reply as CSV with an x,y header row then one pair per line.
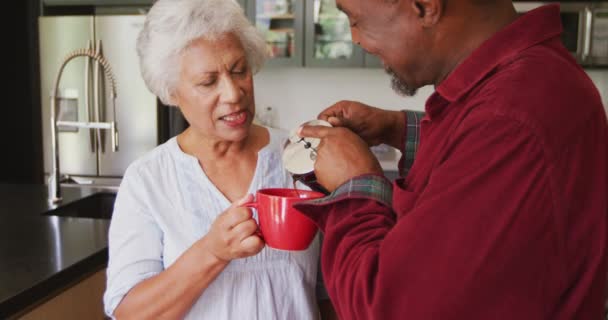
x,y
215,88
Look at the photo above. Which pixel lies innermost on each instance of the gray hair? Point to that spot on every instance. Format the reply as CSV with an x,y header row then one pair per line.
x,y
171,25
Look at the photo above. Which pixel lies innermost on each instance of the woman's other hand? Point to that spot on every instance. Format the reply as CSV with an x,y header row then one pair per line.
x,y
233,234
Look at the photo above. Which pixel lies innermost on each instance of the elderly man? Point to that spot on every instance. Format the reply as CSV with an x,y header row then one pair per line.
x,y
503,214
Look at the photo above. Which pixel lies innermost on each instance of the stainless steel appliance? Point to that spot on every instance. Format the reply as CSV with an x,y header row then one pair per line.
x,y
585,29
86,153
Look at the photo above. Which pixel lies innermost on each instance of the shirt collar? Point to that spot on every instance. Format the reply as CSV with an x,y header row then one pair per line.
x,y
533,28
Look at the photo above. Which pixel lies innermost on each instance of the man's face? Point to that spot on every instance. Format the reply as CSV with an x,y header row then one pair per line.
x,y
391,32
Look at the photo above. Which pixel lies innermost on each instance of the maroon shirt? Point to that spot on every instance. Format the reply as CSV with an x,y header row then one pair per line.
x,y
503,214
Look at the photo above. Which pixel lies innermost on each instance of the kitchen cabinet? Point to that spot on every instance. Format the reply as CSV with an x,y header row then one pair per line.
x,y
328,37
115,3
298,33
309,33
371,61
83,300
281,23
97,2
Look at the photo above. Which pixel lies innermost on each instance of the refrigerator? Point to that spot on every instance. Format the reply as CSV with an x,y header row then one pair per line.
x,y
84,95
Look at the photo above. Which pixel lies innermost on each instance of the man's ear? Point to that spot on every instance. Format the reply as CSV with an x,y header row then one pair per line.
x,y
428,11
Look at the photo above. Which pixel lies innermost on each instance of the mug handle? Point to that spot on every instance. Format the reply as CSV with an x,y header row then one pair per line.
x,y
251,204
254,205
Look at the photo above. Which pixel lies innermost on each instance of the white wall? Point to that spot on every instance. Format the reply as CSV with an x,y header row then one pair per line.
x,y
600,78
299,94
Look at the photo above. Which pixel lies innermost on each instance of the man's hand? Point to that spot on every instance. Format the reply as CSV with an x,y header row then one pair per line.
x,y
341,155
375,126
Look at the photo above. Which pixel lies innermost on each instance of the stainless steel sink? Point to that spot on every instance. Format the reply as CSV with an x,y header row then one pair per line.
x,y
97,206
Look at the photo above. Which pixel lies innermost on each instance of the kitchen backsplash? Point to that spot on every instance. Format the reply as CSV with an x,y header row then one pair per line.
x,y
299,94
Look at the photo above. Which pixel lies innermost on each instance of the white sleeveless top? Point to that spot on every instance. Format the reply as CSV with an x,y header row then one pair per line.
x,y
166,203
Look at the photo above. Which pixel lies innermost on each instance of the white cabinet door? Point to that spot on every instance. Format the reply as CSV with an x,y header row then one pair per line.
x,y
328,37
282,24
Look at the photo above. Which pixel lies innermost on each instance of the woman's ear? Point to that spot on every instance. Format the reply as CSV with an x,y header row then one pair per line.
x,y
173,99
428,11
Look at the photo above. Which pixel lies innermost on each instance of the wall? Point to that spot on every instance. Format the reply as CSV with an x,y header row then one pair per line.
x,y
600,78
298,94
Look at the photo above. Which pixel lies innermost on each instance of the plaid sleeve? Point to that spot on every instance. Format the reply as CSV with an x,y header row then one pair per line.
x,y
368,186
411,140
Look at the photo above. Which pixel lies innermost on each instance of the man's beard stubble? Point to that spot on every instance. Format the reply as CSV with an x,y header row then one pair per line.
x,y
399,85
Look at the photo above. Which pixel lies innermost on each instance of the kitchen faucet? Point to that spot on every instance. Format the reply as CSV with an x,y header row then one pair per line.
x,y
54,189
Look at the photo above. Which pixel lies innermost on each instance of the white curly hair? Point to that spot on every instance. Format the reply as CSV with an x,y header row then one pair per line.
x,y
171,25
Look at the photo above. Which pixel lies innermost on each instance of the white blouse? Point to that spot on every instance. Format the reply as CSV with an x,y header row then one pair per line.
x,y
166,203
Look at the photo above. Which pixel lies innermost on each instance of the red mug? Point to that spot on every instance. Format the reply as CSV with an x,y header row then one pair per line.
x,y
282,226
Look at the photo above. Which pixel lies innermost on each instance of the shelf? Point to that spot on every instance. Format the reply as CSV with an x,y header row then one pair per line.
x,y
282,30
286,16
332,16
348,41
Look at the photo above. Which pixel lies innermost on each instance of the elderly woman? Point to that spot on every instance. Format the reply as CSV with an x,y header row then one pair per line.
x,y
180,244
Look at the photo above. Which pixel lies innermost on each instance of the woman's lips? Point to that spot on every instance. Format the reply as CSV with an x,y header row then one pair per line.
x,y
235,119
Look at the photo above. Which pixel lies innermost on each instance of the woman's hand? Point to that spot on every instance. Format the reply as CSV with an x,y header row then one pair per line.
x,y
233,234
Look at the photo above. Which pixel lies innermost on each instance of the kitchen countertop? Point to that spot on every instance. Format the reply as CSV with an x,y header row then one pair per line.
x,y
42,254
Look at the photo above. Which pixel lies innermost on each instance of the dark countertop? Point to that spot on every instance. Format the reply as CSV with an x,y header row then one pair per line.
x,y
42,254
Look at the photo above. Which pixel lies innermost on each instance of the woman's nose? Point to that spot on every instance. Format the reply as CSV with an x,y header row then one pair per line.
x,y
230,90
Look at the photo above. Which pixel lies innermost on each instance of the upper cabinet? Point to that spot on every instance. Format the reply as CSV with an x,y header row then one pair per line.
x,y
328,37
298,33
281,23
310,33
97,2
371,61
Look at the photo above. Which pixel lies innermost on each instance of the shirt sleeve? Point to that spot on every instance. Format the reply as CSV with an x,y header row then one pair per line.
x,y
467,246
411,141
135,242
368,186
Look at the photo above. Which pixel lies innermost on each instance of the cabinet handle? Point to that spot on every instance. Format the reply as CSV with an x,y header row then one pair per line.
x,y
97,99
588,33
87,98
100,102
